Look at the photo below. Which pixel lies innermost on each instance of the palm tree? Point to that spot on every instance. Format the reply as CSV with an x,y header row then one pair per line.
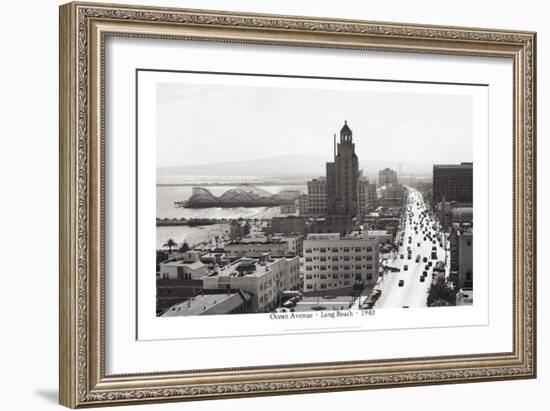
x,y
170,243
184,247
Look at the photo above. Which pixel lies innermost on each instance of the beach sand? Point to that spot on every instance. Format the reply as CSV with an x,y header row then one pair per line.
x,y
192,235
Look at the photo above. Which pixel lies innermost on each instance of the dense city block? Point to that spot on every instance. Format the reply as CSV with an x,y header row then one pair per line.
x,y
340,240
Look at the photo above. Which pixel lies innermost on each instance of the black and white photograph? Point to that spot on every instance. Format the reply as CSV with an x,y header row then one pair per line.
x,y
256,204
312,197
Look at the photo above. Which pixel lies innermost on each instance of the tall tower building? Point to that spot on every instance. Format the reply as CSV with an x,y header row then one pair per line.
x,y
342,177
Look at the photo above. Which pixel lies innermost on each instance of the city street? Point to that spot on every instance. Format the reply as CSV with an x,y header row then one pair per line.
x,y
413,291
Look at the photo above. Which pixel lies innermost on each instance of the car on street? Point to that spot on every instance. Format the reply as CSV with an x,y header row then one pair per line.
x,y
425,259
422,278
401,256
405,267
401,283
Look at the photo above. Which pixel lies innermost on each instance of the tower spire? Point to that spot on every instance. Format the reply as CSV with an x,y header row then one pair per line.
x,y
345,132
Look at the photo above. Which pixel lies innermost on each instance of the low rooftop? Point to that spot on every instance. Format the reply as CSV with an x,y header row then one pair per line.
x,y
257,240
248,267
463,165
355,235
180,263
208,304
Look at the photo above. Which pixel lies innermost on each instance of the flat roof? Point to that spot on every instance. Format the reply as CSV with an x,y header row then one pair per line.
x,y
230,270
336,237
327,304
260,268
180,263
256,242
461,165
206,304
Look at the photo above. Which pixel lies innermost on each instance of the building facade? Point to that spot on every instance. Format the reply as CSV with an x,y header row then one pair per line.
x,y
295,243
332,261
387,176
461,246
317,196
303,205
366,196
288,225
453,182
342,176
392,195
264,280
256,248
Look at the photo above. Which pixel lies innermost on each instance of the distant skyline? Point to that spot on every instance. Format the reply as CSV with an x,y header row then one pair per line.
x,y
209,124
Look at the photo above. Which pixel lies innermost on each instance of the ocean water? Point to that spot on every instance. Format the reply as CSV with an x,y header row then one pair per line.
x,y
167,195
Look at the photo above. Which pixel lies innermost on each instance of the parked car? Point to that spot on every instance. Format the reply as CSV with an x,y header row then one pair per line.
x,y
422,278
401,283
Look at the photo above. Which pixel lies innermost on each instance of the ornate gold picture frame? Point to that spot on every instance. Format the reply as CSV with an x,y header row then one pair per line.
x,y
84,29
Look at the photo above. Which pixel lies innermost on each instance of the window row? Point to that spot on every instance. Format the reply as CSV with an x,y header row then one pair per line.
x,y
339,249
357,276
339,267
343,258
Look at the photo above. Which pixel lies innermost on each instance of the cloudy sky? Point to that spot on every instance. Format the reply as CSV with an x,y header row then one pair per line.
x,y
203,124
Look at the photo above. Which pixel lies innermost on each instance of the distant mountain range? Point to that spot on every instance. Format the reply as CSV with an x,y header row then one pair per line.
x,y
289,166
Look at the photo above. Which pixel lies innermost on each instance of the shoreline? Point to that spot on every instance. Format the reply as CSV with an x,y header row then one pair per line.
x,y
193,236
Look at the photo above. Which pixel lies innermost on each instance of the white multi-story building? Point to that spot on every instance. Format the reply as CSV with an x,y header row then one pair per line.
x,y
264,280
332,262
